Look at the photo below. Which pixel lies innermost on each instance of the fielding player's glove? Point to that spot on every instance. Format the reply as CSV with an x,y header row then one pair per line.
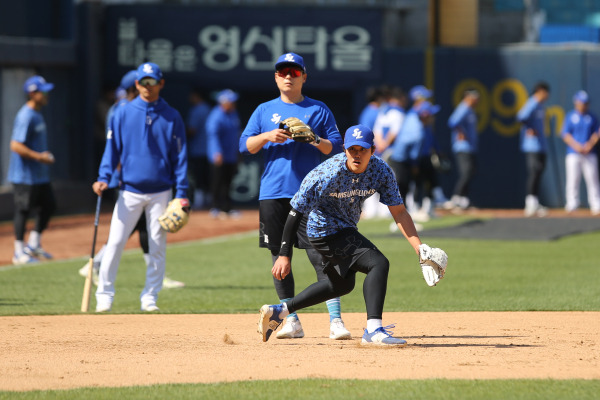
x,y
298,130
433,263
176,215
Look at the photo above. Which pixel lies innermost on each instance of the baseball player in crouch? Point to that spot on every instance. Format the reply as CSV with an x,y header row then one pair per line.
x,y
332,195
147,137
286,163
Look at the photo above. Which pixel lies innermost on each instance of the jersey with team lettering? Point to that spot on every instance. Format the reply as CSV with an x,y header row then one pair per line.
x,y
334,196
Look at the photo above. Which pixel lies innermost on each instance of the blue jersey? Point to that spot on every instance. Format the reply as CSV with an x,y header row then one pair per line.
x,y
407,146
369,115
464,120
222,134
286,164
581,127
30,129
197,121
148,139
334,196
532,116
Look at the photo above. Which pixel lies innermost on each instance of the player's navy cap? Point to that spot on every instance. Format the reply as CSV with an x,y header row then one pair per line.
x,y
420,92
427,108
37,84
581,96
358,135
227,96
129,79
290,58
149,70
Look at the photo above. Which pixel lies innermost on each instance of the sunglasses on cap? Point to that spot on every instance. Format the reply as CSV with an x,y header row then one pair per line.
x,y
294,72
149,82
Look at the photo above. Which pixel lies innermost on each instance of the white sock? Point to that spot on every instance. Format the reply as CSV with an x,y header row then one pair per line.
x,y
373,325
34,239
19,245
284,311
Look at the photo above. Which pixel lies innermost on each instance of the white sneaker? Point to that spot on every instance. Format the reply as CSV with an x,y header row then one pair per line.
x,y
382,337
100,308
169,283
338,331
23,258
83,271
292,329
150,307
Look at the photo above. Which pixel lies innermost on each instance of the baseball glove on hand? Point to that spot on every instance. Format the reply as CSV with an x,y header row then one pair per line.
x,y
176,215
298,130
433,263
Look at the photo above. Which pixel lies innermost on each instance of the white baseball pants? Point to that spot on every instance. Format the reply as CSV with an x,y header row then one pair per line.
x,y
127,212
575,166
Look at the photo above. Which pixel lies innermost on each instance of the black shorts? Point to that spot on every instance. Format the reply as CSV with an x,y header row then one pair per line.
x,y
341,250
272,216
28,197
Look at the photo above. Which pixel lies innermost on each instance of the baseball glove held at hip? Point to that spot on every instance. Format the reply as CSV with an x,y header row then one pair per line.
x,y
298,130
176,215
433,263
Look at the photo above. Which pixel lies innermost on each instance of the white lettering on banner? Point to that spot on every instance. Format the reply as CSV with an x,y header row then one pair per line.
x,y
346,48
222,47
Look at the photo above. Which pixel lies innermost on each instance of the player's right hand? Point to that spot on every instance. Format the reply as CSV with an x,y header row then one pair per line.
x,y
46,158
278,136
98,187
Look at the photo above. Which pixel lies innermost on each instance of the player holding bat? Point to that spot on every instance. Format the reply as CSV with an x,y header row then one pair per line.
x,y
294,132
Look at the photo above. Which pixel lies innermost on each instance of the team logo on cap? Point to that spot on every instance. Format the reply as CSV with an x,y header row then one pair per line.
x,y
357,134
289,57
147,69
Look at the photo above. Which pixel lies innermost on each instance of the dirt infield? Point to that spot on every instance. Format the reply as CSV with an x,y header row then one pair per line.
x,y
59,352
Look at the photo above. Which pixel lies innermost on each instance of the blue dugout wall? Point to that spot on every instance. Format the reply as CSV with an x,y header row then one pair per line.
x,y
216,48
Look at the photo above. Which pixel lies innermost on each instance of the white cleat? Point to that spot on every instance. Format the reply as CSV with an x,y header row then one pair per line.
x,y
292,329
338,331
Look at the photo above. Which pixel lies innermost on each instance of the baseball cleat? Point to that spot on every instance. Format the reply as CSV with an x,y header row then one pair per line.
x,y
338,331
101,308
382,337
24,258
269,320
83,271
37,252
169,283
292,329
150,308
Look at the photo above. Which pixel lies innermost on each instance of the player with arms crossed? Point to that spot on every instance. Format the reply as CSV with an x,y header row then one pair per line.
x,y
286,163
147,137
332,195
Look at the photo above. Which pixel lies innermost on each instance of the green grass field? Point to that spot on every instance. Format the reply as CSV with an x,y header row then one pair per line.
x,y
233,276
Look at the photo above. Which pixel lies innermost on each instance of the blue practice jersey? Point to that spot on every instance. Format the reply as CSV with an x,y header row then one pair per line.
x,y
334,196
407,146
532,116
463,119
30,129
581,127
197,121
368,116
222,134
286,164
148,139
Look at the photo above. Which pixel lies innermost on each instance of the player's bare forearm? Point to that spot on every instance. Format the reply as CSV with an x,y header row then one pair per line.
x,y
325,146
44,157
406,225
255,143
281,268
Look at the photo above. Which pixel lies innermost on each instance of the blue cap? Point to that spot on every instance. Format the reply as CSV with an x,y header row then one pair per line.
x,y
227,96
129,79
37,84
420,92
427,108
120,93
358,135
149,70
581,96
290,58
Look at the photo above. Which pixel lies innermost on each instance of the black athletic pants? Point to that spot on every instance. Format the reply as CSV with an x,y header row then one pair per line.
x,y
32,198
536,162
466,170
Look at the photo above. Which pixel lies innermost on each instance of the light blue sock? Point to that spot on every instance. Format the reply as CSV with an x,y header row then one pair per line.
x,y
335,308
292,314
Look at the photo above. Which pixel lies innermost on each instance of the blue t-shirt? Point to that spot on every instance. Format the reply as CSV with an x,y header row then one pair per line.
x,y
581,127
407,146
286,164
197,121
148,139
369,115
532,116
463,119
30,129
334,196
222,134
